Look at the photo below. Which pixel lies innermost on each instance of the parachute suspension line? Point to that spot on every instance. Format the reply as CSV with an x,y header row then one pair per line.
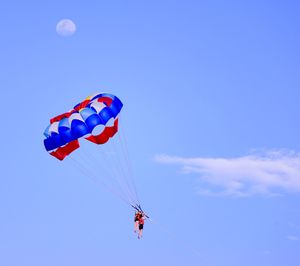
x,y
115,175
114,180
94,177
123,142
100,165
100,172
130,179
121,164
86,172
91,158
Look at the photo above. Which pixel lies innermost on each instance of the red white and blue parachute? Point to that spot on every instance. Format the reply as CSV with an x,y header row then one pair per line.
x,y
97,111
95,119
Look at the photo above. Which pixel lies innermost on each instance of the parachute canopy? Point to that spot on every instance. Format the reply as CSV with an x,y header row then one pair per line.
x,y
97,111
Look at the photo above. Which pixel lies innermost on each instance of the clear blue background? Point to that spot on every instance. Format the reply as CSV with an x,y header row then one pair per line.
x,y
198,79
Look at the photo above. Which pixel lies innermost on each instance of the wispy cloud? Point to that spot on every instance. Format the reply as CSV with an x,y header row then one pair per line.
x,y
268,172
293,238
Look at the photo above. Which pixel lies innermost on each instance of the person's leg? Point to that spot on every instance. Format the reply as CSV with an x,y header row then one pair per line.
x,y
136,225
141,226
140,233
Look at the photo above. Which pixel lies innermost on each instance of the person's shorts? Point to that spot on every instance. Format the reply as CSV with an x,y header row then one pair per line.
x,y
141,226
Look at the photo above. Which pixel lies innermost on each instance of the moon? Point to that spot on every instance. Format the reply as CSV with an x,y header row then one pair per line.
x,y
65,27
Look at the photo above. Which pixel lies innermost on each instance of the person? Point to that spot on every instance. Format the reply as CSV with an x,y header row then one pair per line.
x,y
141,222
137,216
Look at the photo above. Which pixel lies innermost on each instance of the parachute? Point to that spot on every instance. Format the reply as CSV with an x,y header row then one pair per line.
x,y
64,130
96,119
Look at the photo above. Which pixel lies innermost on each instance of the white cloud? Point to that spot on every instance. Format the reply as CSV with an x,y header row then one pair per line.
x,y
293,238
270,173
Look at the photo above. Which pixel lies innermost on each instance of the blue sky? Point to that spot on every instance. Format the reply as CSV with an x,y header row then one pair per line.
x,y
211,110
